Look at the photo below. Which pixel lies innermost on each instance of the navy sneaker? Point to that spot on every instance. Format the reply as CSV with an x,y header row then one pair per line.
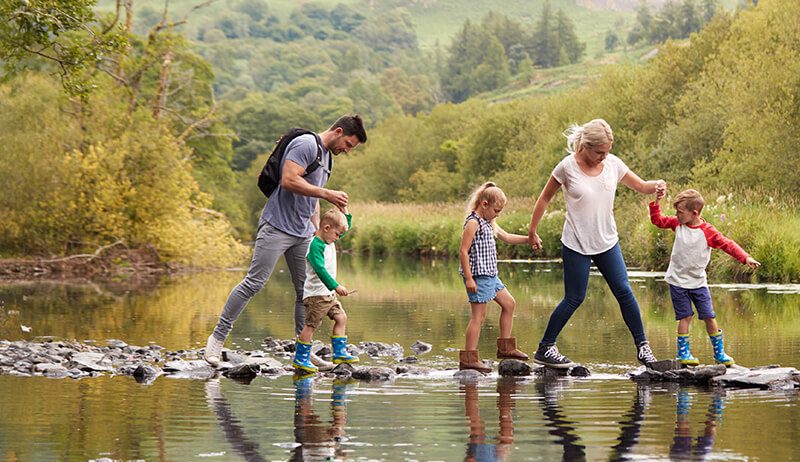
x,y
548,355
645,354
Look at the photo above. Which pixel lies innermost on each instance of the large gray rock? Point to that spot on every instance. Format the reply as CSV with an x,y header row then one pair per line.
x,y
89,361
766,378
146,373
694,375
52,370
374,374
242,371
468,374
514,368
377,349
419,347
413,370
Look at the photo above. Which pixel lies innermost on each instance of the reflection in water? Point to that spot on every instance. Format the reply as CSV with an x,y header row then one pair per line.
x,y
559,426
231,426
478,449
631,424
318,440
683,448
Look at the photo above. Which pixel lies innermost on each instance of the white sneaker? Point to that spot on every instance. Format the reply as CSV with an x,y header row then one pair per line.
x,y
213,351
213,393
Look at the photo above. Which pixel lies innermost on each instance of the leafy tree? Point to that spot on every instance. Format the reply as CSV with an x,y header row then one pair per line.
x,y
257,10
346,18
644,22
568,43
66,35
259,120
116,175
709,10
412,93
545,42
477,63
691,21
391,31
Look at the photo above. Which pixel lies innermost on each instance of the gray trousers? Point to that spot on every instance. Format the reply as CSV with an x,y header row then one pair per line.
x,y
270,244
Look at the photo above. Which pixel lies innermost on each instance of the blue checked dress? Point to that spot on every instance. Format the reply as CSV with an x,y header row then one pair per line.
x,y
483,251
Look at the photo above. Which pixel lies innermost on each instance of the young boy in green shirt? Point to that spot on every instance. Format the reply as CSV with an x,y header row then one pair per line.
x,y
320,290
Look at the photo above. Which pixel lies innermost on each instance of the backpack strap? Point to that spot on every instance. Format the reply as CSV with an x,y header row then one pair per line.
x,y
318,162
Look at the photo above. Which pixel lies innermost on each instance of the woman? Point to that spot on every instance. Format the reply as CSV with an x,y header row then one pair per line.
x,y
589,177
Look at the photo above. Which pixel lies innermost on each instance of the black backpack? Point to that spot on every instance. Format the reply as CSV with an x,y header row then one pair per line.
x,y
270,176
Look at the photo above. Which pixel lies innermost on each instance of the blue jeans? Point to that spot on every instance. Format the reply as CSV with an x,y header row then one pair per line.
x,y
576,279
270,244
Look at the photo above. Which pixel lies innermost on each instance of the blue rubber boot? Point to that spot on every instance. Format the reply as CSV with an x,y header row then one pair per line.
x,y
719,350
340,354
684,352
683,402
302,385
302,354
339,393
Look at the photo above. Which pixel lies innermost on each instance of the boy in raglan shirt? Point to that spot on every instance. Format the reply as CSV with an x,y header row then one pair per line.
x,y
686,275
321,289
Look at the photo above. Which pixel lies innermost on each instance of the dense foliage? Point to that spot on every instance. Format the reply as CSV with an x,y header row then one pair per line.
x,y
716,112
483,57
157,144
675,20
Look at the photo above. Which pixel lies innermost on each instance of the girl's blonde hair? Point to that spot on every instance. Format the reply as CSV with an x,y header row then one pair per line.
x,y
596,132
488,192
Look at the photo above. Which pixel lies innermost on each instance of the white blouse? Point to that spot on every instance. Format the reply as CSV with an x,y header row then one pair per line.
x,y
590,228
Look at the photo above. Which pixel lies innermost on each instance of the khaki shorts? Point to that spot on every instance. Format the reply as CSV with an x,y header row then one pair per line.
x,y
318,306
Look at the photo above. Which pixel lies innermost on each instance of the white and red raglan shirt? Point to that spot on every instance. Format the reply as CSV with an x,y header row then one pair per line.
x,y
691,251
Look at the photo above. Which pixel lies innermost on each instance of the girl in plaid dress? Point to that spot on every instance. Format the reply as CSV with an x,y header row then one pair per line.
x,y
478,266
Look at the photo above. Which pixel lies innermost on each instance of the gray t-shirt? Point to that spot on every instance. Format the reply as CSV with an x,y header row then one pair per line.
x,y
290,212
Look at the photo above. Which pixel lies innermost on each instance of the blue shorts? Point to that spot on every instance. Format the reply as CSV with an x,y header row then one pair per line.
x,y
488,286
682,300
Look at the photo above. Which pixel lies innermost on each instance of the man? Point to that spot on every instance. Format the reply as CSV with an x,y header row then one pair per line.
x,y
288,222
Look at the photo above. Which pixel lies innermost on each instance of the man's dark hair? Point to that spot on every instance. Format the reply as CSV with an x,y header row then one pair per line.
x,y
351,125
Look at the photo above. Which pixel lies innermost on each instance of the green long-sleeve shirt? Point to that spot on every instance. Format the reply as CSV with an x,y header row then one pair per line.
x,y
321,266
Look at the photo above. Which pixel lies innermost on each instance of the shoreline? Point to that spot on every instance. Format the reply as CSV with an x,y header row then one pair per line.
x,y
116,264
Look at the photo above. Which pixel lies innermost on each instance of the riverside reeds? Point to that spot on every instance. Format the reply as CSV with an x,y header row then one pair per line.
x,y
765,230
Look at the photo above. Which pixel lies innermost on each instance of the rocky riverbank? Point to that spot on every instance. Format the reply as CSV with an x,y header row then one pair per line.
x,y
384,362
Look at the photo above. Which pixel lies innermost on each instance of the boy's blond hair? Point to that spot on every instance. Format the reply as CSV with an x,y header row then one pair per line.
x,y
333,217
691,199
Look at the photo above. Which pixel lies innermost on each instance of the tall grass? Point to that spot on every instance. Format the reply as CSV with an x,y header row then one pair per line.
x,y
765,230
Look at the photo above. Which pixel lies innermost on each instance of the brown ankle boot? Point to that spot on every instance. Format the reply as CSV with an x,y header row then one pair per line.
x,y
507,348
470,359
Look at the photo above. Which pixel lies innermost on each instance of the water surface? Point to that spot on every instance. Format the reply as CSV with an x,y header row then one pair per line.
x,y
604,417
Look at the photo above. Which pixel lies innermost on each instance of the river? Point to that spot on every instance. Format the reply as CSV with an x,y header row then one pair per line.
x,y
435,417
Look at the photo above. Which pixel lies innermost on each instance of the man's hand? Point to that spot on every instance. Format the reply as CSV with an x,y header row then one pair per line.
x,y
337,198
342,290
752,263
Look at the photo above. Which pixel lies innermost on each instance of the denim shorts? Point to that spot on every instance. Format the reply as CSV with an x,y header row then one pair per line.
x,y
488,286
682,300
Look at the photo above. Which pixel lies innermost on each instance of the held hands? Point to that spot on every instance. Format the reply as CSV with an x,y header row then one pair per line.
x,y
534,241
661,189
337,198
752,263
